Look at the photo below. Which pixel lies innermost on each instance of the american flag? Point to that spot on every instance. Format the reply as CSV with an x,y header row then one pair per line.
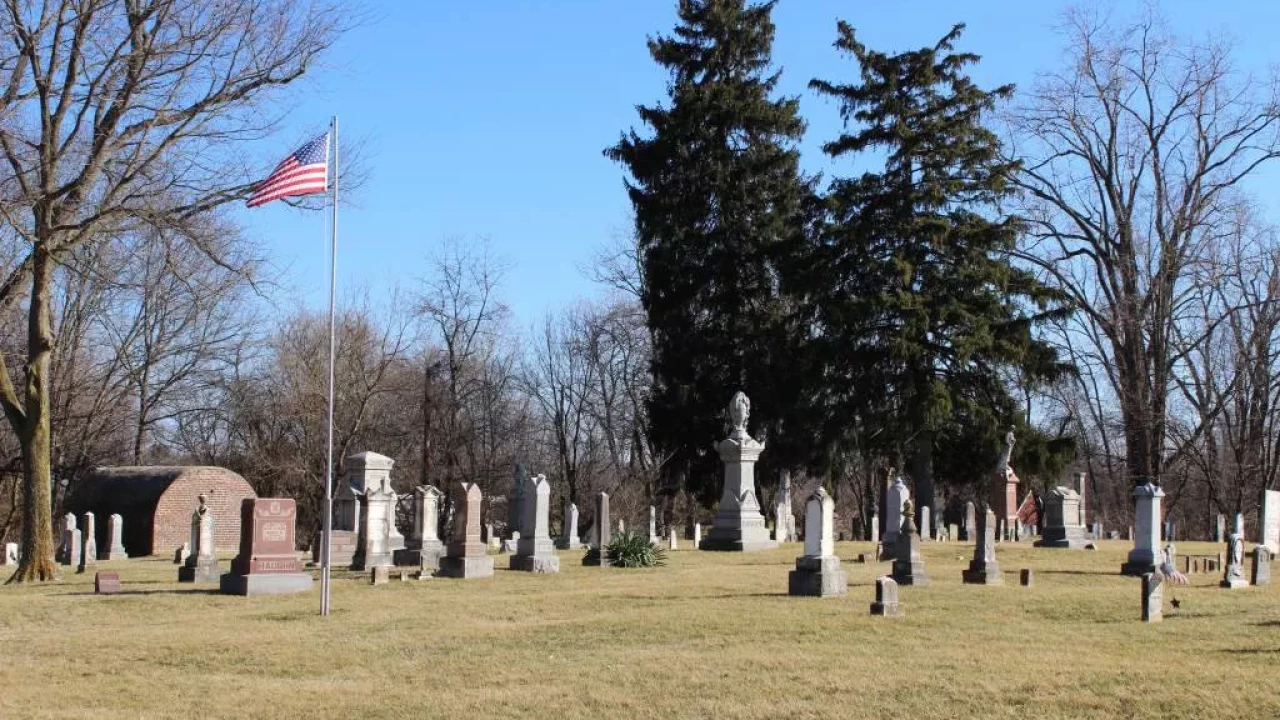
x,y
304,172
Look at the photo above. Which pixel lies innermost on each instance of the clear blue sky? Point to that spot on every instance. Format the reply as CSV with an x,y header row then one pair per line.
x,y
487,119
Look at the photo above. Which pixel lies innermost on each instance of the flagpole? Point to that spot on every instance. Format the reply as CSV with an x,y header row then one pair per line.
x,y
325,581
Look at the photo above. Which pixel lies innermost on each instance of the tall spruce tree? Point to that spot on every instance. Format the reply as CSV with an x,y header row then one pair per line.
x,y
718,200
922,319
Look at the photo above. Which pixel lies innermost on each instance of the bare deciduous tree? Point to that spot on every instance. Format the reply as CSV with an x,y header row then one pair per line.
x,y
114,115
1134,158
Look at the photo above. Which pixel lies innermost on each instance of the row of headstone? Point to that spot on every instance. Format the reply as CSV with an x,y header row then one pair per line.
x,y
78,545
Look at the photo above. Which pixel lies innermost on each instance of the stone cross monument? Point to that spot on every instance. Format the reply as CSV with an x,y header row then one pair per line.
x,y
738,524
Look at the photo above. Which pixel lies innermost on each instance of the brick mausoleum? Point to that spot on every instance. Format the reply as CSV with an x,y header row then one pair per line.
x,y
156,504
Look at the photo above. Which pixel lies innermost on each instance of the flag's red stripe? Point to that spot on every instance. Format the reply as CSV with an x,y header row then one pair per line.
x,y
305,172
307,179
303,189
289,173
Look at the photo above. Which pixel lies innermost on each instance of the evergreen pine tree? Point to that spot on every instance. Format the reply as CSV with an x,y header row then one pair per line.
x,y
922,317
718,199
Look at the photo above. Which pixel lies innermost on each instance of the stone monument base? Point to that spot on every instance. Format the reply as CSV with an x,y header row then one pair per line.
x,y
910,573
982,574
818,577
737,540
535,563
200,572
1137,568
114,554
264,584
372,561
1232,583
342,547
1073,538
564,544
466,567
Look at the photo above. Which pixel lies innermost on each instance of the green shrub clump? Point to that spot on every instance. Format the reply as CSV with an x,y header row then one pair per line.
x,y
630,550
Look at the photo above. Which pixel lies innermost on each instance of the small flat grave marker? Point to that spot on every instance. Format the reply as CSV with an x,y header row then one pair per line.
x,y
106,583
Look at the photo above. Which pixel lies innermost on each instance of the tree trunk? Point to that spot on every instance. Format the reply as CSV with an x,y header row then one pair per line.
x,y
34,435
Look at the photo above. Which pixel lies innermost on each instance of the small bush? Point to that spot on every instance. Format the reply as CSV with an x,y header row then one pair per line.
x,y
631,550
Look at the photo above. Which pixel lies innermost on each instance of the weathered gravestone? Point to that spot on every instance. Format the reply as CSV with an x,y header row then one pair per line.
x,y
423,548
671,538
983,568
926,525
653,525
380,575
70,545
1152,597
598,555
784,529
1026,577
908,565
1145,531
875,529
535,552
1061,526
106,583
1220,529
89,546
377,539
510,545
738,524
202,565
697,535
268,562
886,603
181,553
10,554
968,532
568,539
818,572
467,556
1261,574
1234,577
896,497
1269,521
115,535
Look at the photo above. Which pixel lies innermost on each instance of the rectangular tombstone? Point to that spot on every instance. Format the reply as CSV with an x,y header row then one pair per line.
x,y
106,583
467,556
953,532
380,575
1061,526
1269,521
1261,574
671,538
1152,598
569,539
268,562
1220,529
600,543
114,549
1026,577
875,529
697,535
926,524
1146,538
181,553
886,604
818,572
983,568
10,556
69,545
534,551
423,548
969,530
89,546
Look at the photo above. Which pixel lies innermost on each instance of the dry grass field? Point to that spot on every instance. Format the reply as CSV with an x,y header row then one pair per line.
x,y
709,636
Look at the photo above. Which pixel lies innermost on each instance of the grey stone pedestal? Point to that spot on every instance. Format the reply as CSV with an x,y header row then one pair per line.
x,y
264,584
818,577
466,567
